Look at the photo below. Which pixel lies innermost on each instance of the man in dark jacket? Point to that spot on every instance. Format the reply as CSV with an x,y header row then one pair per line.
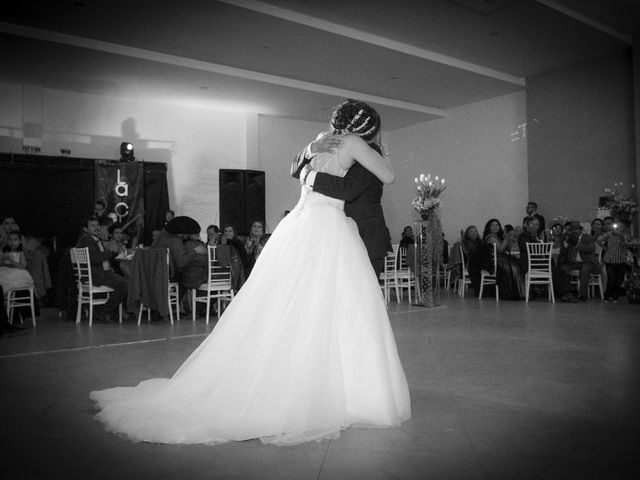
x,y
362,192
101,271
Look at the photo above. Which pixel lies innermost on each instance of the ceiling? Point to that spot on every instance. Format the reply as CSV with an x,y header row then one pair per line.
x,y
412,59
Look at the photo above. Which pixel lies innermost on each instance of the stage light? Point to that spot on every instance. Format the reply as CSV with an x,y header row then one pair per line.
x,y
126,152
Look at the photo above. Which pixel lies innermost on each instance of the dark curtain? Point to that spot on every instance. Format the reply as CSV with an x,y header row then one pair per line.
x,y
156,198
52,196
47,200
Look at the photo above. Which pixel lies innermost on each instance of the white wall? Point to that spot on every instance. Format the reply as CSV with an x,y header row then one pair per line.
x,y
280,140
472,149
194,142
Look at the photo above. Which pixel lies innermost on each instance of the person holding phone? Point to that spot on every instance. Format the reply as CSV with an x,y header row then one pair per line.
x,y
615,258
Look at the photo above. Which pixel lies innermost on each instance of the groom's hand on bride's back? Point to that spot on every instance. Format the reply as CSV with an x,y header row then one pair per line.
x,y
326,143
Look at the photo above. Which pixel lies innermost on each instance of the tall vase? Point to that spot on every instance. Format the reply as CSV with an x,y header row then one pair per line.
x,y
428,252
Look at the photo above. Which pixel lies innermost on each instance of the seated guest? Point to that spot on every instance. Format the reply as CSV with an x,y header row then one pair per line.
x,y
577,253
38,265
470,243
116,244
116,240
596,228
173,236
615,258
7,226
508,273
252,244
231,253
13,264
102,272
557,235
513,246
530,235
195,272
407,237
214,236
104,219
155,233
168,216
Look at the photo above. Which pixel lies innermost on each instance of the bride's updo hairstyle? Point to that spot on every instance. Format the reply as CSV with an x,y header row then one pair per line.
x,y
356,118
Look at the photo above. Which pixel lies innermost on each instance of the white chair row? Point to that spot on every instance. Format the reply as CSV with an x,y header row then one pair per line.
x,y
397,275
217,287
539,271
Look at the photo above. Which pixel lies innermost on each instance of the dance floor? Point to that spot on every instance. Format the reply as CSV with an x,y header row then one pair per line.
x,y
499,391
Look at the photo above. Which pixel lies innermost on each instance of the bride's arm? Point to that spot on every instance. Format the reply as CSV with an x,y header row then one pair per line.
x,y
356,149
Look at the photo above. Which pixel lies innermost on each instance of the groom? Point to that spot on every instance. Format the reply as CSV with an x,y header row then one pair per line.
x,y
359,188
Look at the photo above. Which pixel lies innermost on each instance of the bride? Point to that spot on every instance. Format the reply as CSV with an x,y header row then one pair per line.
x,y
305,349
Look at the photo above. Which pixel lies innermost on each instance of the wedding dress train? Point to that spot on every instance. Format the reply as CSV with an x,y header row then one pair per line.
x,y
304,350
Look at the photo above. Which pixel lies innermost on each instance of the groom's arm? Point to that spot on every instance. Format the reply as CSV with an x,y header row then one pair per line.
x,y
346,188
323,143
303,158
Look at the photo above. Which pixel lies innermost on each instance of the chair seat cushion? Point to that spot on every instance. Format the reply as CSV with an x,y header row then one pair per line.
x,y
96,289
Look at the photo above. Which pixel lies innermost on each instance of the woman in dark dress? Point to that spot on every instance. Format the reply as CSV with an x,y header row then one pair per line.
x,y
231,253
508,270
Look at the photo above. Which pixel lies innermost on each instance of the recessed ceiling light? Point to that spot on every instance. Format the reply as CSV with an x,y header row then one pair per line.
x,y
394,78
494,33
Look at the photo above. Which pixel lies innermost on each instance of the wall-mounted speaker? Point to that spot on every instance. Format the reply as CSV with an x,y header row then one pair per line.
x,y
242,198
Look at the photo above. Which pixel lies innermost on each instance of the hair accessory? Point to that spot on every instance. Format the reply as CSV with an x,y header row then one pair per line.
x,y
354,119
362,125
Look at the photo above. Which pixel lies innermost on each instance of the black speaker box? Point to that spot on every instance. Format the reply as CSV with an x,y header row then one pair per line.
x,y
242,197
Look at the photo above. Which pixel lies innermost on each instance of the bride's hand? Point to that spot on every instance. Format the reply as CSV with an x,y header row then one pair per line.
x,y
326,143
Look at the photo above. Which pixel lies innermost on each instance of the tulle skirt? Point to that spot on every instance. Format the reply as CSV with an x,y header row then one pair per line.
x,y
304,350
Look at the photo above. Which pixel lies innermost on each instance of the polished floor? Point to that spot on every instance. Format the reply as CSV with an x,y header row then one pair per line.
x,y
499,391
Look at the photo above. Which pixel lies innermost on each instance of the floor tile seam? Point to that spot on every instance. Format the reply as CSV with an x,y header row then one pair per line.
x,y
97,346
324,458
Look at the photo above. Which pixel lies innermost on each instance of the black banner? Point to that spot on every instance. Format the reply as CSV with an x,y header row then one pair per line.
x,y
120,186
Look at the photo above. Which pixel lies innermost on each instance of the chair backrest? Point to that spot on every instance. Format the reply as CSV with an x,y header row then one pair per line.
x,y
494,254
81,264
217,275
401,259
539,256
389,263
395,247
462,260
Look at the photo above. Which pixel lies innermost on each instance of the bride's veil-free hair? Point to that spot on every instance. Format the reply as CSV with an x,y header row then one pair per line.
x,y
357,118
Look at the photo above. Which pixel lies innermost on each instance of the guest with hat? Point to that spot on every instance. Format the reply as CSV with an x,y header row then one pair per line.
x,y
577,253
173,236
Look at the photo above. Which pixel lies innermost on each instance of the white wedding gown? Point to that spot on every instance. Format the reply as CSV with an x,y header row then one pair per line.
x,y
304,350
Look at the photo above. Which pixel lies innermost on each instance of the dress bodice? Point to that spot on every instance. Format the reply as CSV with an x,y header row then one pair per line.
x,y
324,163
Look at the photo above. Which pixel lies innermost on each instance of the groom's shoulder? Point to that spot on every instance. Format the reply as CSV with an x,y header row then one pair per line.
x,y
362,172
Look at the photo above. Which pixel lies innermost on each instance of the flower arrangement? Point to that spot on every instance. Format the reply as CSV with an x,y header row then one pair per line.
x,y
429,190
621,204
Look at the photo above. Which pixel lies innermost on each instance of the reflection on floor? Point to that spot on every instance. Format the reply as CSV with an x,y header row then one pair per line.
x,y
508,390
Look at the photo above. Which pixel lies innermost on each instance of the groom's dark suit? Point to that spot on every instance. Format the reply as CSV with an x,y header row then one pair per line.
x,y
362,191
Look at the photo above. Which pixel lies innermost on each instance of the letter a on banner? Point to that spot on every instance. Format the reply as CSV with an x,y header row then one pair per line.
x,y
121,187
